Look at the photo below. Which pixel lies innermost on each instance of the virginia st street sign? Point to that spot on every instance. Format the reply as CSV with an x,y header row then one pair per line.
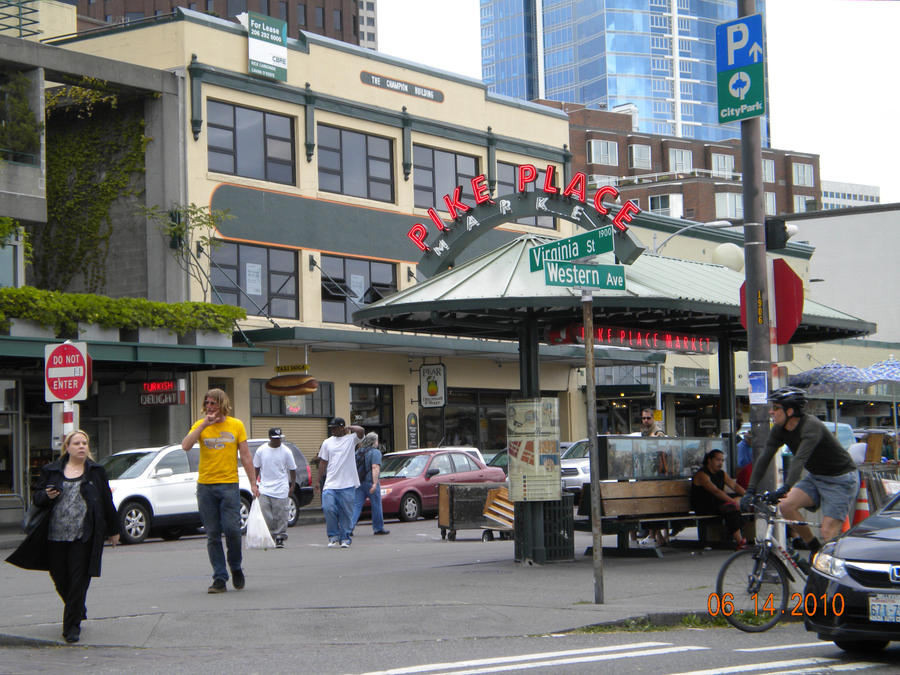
x,y
589,243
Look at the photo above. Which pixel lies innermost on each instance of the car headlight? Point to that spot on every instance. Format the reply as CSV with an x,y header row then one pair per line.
x,y
827,563
385,492
585,469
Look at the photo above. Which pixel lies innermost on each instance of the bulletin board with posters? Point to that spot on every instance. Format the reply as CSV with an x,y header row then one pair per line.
x,y
532,431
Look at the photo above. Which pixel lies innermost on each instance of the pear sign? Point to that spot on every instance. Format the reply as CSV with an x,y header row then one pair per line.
x,y
433,385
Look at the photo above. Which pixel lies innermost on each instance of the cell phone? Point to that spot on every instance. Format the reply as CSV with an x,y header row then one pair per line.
x,y
51,486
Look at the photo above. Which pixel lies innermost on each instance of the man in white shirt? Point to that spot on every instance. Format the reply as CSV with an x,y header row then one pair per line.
x,y
276,472
337,462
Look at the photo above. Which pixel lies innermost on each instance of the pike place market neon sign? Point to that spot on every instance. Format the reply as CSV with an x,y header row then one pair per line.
x,y
613,336
468,222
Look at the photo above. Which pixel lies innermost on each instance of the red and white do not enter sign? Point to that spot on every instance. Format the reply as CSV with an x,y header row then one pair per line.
x,y
66,372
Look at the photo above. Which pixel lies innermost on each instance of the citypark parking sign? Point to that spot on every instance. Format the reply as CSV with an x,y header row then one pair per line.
x,y
740,69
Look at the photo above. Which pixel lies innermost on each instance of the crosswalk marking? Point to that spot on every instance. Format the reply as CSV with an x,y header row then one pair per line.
x,y
541,659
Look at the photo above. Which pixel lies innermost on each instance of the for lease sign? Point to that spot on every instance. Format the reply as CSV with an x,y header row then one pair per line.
x,y
267,46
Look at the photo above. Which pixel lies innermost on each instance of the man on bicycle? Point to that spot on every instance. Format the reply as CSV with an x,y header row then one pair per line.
x,y
832,480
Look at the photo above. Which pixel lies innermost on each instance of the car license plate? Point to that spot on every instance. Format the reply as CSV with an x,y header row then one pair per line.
x,y
884,608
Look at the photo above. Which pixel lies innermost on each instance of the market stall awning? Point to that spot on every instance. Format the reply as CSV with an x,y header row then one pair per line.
x,y
490,296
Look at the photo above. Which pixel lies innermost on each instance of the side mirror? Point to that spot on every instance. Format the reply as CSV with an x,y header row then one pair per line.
x,y
432,472
163,473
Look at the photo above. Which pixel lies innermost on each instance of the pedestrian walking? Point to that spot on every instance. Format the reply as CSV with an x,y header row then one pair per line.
x,y
221,438
77,516
276,473
337,462
368,466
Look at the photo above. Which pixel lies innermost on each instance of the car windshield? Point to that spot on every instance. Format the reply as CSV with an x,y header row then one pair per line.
x,y
500,459
577,450
403,466
127,464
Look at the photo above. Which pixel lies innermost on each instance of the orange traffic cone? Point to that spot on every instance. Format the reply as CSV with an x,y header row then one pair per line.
x,y
862,503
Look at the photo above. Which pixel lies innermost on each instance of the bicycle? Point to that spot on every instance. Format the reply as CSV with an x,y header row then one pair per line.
x,y
752,588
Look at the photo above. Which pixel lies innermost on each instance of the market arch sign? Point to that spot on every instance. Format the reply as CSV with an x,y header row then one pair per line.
x,y
468,222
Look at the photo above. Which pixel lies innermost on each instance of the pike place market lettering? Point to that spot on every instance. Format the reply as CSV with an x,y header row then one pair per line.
x,y
467,222
611,336
409,88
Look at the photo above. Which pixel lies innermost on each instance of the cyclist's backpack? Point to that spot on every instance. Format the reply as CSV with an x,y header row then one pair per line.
x,y
361,465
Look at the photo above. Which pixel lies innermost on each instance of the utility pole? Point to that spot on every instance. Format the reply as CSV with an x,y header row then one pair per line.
x,y
756,287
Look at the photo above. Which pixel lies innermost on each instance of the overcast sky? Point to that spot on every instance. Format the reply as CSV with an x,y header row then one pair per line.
x,y
832,74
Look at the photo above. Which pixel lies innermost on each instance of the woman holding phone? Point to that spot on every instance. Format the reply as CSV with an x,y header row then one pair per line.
x,y
68,542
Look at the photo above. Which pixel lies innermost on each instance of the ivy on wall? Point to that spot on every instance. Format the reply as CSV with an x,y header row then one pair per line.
x,y
94,157
20,130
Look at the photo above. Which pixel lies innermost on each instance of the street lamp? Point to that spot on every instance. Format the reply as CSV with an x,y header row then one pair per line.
x,y
714,225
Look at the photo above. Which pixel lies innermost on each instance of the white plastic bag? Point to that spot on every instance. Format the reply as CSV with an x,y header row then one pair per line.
x,y
258,535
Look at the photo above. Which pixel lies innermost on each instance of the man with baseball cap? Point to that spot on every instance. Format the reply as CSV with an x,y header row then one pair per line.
x,y
337,462
276,472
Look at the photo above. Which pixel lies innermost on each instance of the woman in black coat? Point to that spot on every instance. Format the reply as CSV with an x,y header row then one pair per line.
x,y
68,541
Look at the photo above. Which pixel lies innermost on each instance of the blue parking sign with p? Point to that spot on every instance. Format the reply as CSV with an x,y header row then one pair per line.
x,y
740,68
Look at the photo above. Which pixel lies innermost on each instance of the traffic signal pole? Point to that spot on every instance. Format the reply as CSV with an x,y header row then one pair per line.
x,y
756,287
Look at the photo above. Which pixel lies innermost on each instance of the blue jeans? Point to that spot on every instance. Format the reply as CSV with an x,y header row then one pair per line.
x,y
338,508
375,499
220,512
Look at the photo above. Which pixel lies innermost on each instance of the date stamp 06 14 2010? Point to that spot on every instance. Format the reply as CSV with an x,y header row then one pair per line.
x,y
800,605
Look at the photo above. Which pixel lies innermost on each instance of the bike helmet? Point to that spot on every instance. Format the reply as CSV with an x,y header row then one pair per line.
x,y
789,397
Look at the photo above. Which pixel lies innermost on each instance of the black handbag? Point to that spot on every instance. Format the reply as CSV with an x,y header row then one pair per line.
x,y
34,516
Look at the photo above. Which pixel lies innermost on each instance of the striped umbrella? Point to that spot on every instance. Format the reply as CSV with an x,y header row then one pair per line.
x,y
831,378
888,372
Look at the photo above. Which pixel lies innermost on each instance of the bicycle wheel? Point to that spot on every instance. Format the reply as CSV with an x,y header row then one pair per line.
x,y
755,584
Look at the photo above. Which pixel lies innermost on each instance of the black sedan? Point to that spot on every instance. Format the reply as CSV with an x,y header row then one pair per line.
x,y
852,596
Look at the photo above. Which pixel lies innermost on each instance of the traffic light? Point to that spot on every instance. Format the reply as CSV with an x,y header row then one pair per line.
x,y
776,234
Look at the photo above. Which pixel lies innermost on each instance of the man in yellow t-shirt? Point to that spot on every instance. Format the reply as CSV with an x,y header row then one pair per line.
x,y
221,438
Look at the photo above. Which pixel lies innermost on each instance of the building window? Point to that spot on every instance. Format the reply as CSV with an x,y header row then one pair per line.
x,y
438,172
803,175
771,205
320,18
301,14
603,152
802,203
356,164
680,160
261,280
506,184
667,205
210,5
768,170
372,407
729,205
692,378
250,143
722,165
337,19
348,284
320,403
639,157
235,7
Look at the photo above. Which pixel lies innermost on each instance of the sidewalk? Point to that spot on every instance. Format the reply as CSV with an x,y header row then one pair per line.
x,y
408,585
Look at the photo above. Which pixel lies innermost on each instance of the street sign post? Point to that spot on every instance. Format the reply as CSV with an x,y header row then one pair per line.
x,y
584,276
740,69
592,242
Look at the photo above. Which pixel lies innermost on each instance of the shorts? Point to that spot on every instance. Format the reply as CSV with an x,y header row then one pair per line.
x,y
835,494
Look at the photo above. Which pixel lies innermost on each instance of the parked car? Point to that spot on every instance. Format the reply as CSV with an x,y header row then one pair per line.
x,y
409,479
501,460
475,452
155,489
844,433
575,467
852,595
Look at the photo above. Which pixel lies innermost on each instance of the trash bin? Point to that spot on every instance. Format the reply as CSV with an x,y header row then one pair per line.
x,y
558,531
461,507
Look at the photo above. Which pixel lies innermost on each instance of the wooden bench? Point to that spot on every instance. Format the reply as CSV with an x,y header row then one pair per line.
x,y
629,506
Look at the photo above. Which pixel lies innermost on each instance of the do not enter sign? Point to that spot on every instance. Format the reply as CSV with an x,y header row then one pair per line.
x,y
66,372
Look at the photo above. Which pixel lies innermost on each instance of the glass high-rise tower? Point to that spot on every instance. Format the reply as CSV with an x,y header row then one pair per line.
x,y
659,55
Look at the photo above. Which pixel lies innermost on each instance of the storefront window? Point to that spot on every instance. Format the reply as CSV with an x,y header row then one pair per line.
x,y
471,417
318,404
372,407
8,420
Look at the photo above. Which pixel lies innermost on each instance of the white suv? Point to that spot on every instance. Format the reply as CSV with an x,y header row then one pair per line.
x,y
155,490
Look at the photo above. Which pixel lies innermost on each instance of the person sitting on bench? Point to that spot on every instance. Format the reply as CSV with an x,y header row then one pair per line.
x,y
708,496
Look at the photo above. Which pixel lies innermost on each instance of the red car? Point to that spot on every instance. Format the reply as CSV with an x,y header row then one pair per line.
x,y
409,479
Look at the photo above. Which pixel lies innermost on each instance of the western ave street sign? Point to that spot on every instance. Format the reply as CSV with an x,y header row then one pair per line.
x,y
584,276
592,242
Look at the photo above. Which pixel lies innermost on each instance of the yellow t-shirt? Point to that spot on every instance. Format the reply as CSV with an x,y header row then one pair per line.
x,y
219,450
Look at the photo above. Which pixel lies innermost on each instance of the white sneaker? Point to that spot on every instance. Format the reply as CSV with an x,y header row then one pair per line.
x,y
333,544
345,544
